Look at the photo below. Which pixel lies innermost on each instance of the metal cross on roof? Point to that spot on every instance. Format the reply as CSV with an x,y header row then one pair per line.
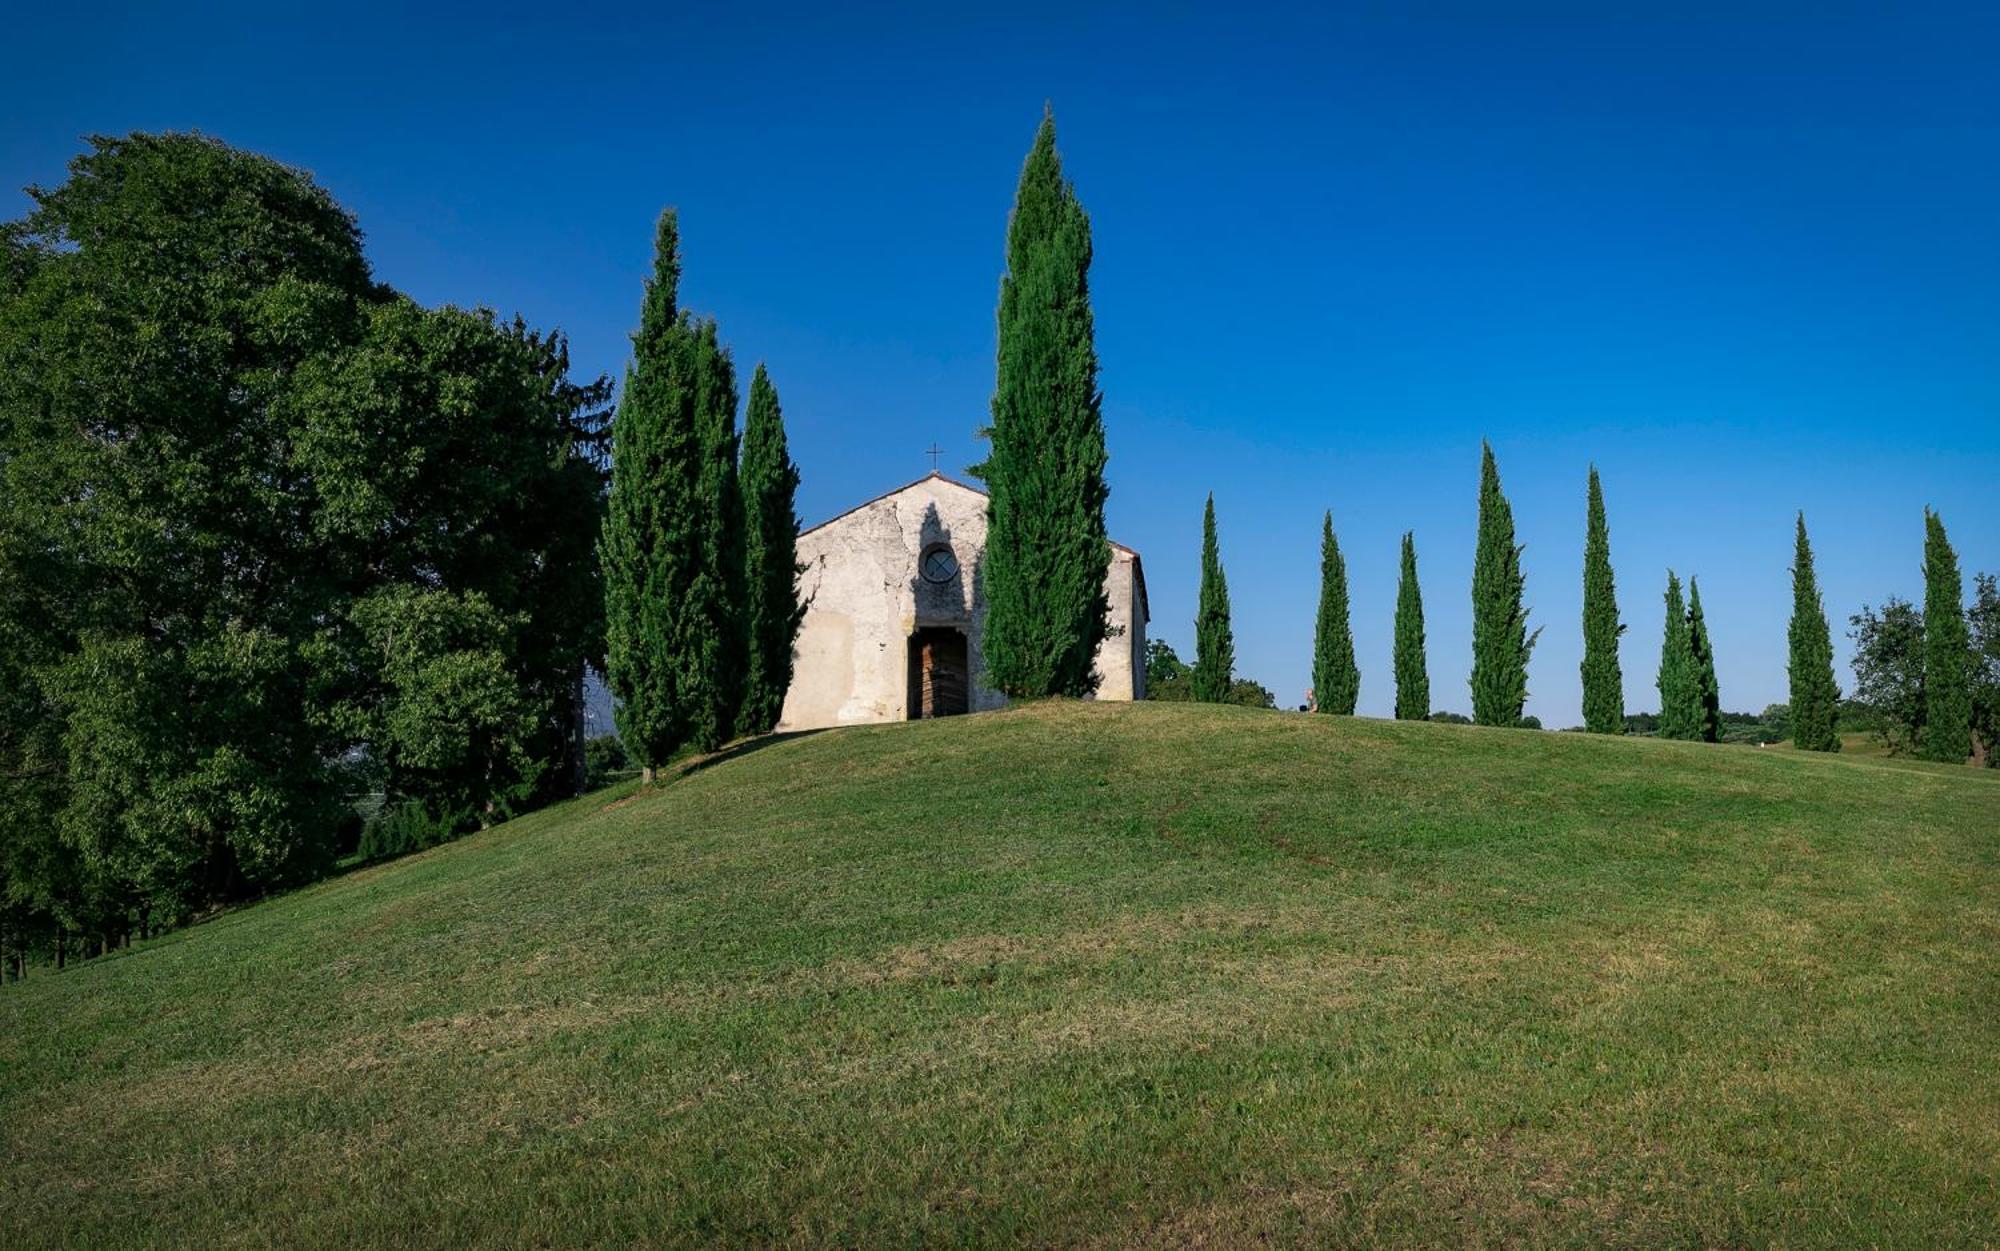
x,y
934,451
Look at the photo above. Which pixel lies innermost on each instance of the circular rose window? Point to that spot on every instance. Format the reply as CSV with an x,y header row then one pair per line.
x,y
938,564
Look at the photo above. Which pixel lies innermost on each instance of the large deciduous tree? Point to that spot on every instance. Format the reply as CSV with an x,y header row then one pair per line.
x,y
1336,679
1046,546
1501,641
1603,679
1889,671
1815,698
1214,643
1413,680
1947,676
770,482
230,462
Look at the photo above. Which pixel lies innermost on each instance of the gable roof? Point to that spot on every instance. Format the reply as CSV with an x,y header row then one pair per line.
x,y
1138,566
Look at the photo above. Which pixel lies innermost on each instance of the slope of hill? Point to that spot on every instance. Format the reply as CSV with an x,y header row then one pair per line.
x,y
1156,974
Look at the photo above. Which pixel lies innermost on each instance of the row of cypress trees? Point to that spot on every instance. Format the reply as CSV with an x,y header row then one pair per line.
x,y
1502,641
699,539
1947,674
700,566
1690,694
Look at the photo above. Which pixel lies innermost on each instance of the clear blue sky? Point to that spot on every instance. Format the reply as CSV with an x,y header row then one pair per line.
x,y
1747,264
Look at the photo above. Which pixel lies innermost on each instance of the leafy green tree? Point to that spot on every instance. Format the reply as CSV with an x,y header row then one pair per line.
x,y
455,731
1708,717
1889,672
1603,679
484,479
1215,645
1679,681
159,305
608,761
770,483
1046,546
1168,677
1501,642
1815,699
219,439
1249,693
1947,650
1336,679
1413,681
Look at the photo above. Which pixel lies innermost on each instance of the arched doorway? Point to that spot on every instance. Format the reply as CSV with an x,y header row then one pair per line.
x,y
940,677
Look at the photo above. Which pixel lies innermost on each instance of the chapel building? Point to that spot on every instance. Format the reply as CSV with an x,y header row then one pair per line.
x,y
895,611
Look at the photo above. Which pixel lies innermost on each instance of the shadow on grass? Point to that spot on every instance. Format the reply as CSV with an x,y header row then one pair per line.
x,y
742,748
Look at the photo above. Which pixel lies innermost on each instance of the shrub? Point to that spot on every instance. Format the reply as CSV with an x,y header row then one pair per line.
x,y
407,826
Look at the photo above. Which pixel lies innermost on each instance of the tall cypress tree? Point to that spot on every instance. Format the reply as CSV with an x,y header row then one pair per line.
x,y
651,547
1815,699
1603,679
1336,680
720,591
1046,547
1947,680
771,531
1501,642
1708,693
1680,689
1214,645
1413,679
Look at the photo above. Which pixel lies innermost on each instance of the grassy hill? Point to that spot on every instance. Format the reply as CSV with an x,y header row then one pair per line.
x,y
1154,974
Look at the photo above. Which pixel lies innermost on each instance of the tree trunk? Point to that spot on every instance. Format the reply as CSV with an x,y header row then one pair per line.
x,y
646,775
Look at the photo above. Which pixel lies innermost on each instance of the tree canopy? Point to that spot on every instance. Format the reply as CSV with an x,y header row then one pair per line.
x,y
271,536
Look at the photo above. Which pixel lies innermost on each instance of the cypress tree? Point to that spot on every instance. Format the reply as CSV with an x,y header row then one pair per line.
x,y
720,592
1603,680
1046,547
1501,642
651,548
771,531
1336,680
1680,688
1214,645
1708,693
1947,680
1413,681
1815,699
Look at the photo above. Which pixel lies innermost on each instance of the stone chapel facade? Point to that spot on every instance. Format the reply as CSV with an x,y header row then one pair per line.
x,y
895,611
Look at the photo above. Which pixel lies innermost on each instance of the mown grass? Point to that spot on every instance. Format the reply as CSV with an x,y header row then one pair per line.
x,y
1080,975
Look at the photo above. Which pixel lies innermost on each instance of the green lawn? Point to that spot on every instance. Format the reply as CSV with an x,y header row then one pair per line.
x,y
1075,974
